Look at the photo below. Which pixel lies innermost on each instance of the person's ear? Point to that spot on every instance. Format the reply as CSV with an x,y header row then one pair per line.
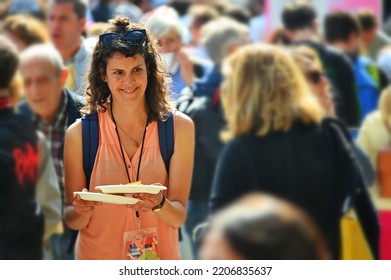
x,y
82,24
103,75
315,26
353,40
232,48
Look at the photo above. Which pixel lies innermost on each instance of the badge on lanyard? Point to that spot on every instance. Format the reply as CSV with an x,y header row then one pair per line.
x,y
141,244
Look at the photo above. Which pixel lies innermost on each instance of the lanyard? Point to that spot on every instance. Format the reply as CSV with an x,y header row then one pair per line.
x,y
122,152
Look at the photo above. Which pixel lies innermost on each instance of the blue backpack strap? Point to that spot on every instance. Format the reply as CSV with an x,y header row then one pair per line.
x,y
166,142
90,139
90,143
166,139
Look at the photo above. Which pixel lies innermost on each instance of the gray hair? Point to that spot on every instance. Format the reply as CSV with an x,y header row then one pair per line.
x,y
163,20
217,35
43,52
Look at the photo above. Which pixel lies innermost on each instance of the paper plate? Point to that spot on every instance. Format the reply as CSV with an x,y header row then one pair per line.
x,y
130,188
107,198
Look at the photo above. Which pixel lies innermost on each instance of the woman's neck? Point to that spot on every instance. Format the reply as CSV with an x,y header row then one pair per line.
x,y
128,117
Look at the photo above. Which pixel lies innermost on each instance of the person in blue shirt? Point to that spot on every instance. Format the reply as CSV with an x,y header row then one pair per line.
x,y
184,69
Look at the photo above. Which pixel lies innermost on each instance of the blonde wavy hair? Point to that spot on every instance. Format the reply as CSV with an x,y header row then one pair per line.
x,y
385,104
302,53
264,91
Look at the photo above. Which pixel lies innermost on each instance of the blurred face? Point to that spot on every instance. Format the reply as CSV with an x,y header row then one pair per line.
x,y
369,37
65,27
171,42
195,34
42,87
319,85
317,81
216,247
127,78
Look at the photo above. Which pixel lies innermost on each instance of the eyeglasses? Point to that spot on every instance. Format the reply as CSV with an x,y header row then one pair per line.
x,y
315,76
134,37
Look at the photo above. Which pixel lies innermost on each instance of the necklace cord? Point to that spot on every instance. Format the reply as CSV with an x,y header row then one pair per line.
x,y
123,156
121,146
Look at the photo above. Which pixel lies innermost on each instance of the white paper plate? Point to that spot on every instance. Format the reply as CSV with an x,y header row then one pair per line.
x,y
129,188
107,198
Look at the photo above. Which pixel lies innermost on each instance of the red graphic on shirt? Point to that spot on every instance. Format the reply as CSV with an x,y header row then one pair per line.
x,y
26,164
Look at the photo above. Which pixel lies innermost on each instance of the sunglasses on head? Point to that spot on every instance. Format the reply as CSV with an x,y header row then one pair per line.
x,y
315,76
134,37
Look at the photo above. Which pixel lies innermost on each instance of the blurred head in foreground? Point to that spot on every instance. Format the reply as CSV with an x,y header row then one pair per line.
x,y
262,227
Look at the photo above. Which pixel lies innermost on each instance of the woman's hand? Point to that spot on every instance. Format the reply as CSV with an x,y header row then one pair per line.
x,y
84,208
148,201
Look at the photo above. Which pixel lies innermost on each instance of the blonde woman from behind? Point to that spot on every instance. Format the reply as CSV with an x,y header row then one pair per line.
x,y
278,141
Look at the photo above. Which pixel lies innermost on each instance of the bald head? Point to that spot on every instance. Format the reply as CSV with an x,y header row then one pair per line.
x,y
45,53
44,75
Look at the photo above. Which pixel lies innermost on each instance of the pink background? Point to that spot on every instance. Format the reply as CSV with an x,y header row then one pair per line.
x,y
353,5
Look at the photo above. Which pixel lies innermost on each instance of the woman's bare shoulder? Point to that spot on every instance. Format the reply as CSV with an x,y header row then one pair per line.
x,y
182,120
74,130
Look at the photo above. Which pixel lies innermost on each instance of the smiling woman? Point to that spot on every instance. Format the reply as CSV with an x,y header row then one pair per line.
x,y
128,91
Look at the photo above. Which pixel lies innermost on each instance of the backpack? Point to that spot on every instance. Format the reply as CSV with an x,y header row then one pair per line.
x,y
90,139
367,86
361,200
207,115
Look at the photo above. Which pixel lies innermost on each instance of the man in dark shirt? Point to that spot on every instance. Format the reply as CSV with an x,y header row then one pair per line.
x,y
343,31
300,20
25,165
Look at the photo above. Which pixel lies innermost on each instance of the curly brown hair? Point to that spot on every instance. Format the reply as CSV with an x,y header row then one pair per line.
x,y
156,94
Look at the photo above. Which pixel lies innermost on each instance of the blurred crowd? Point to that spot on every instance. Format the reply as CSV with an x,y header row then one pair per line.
x,y
289,123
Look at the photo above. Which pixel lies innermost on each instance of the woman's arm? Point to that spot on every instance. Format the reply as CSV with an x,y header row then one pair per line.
x,y
174,210
77,212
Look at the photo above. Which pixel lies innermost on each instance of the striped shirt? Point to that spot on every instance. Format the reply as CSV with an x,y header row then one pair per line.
x,y
54,132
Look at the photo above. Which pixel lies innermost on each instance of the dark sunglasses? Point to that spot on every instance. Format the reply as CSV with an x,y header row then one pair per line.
x,y
133,37
315,76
